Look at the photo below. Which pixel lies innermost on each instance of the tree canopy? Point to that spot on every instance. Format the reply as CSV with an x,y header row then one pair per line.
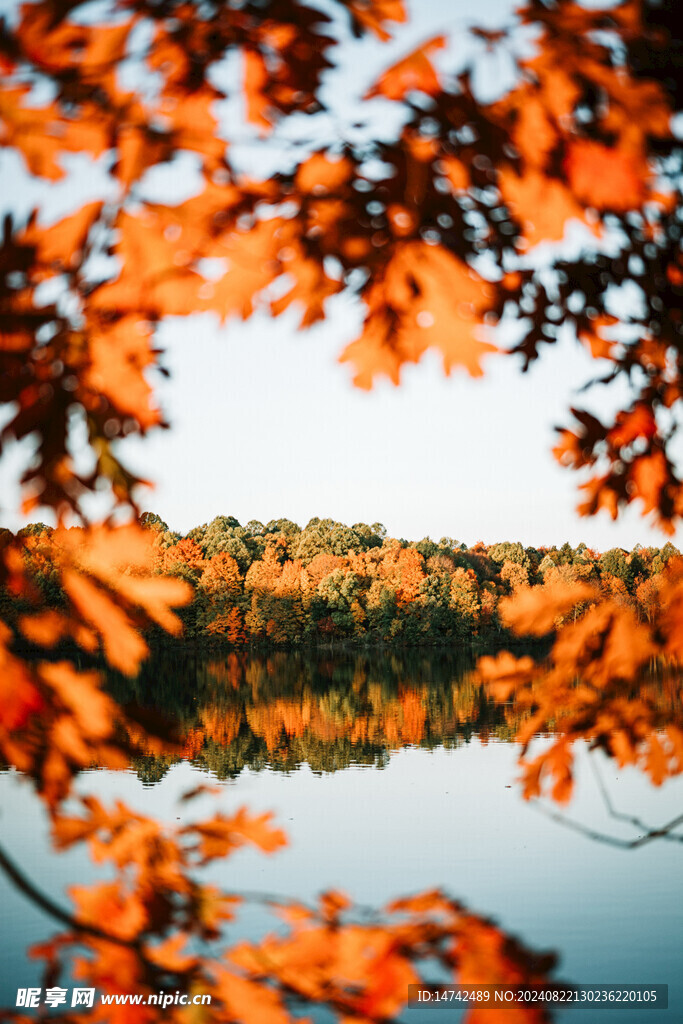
x,y
442,230
433,229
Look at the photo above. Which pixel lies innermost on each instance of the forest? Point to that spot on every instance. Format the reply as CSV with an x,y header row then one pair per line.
x,y
279,585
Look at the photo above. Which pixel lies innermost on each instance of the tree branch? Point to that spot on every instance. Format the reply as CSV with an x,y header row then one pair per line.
x,y
53,910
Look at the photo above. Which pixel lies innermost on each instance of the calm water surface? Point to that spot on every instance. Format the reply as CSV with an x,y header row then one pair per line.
x,y
390,774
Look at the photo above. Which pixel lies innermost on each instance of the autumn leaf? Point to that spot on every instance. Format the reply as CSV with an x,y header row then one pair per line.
x,y
220,835
45,628
599,346
636,423
414,73
427,298
373,15
43,134
255,80
20,699
322,173
534,133
124,648
604,177
503,673
650,474
124,916
541,204
60,246
535,609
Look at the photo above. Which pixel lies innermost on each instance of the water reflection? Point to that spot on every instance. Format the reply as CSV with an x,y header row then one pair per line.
x,y
283,710
446,811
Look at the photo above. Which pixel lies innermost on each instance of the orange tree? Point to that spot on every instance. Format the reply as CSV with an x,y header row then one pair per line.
x,y
435,243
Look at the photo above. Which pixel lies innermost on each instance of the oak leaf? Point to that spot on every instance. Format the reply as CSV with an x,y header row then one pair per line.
x,y
604,177
414,73
534,610
541,204
427,298
373,14
220,835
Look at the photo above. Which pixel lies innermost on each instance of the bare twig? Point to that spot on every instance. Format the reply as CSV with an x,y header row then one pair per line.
x,y
53,910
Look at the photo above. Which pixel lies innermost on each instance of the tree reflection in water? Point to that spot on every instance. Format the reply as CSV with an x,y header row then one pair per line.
x,y
157,925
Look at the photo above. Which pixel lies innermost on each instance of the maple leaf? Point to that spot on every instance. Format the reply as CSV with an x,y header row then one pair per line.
x,y
101,574
104,901
56,44
124,648
312,287
171,956
255,82
456,172
253,263
44,628
193,125
599,495
137,151
503,673
534,133
93,711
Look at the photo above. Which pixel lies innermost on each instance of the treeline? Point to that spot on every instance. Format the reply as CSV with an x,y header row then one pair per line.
x,y
281,585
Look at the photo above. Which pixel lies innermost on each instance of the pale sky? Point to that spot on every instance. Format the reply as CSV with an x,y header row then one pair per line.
x,y
266,424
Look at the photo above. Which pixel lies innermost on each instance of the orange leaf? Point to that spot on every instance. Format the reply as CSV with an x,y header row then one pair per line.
x,y
656,760
119,354
533,610
80,694
249,1002
321,174
19,698
372,14
45,628
123,646
104,905
638,422
61,244
219,836
600,347
604,177
542,205
569,450
650,474
414,73
427,298
534,134
255,81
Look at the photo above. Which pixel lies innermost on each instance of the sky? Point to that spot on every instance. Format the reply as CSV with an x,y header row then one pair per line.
x,y
266,423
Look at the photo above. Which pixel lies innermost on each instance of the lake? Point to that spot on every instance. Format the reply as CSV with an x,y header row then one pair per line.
x,y
391,773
